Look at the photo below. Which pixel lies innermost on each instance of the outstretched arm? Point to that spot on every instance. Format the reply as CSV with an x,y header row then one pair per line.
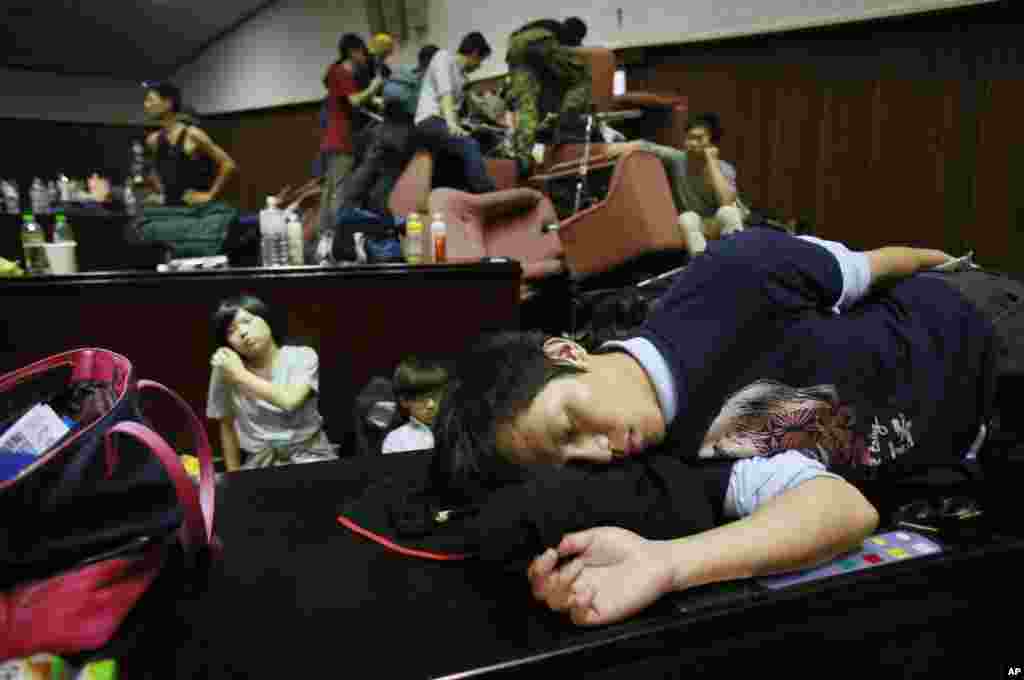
x,y
894,262
864,270
364,97
609,574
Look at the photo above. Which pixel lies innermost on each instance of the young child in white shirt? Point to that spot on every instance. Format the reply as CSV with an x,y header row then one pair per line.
x,y
418,385
264,392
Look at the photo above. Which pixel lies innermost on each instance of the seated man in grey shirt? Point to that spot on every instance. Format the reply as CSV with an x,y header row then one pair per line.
x,y
703,185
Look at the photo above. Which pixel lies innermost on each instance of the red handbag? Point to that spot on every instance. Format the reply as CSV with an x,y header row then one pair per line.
x,y
90,524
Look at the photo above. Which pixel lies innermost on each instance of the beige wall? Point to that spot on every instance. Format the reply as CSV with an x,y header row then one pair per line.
x,y
278,57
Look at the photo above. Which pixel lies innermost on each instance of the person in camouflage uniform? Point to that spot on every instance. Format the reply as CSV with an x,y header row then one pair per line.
x,y
547,81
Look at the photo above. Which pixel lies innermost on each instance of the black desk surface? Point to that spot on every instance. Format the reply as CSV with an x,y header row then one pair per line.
x,y
299,596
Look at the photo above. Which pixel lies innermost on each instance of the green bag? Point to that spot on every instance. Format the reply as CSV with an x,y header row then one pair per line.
x,y
192,231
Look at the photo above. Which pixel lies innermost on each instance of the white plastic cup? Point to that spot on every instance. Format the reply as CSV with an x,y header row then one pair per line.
x,y
61,257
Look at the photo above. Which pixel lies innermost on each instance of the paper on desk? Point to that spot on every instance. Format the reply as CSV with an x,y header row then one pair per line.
x,y
34,432
192,263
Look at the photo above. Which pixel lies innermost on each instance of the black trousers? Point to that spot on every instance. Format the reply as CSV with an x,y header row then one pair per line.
x,y
1001,299
386,150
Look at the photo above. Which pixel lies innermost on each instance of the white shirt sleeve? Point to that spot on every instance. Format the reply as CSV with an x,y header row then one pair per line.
x,y
755,481
306,367
441,73
855,268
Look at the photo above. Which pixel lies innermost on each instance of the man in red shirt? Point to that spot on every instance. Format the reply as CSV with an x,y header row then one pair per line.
x,y
343,120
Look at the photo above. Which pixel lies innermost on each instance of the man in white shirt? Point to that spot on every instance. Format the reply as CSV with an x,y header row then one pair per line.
x,y
437,112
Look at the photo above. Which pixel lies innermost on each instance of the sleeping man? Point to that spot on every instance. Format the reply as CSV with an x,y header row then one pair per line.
x,y
785,363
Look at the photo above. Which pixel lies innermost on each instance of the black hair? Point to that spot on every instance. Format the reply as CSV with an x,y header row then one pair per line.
x,y
492,383
415,376
166,90
347,44
228,308
426,53
574,30
475,42
709,121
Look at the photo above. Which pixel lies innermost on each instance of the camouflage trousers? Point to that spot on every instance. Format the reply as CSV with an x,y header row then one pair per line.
x,y
546,82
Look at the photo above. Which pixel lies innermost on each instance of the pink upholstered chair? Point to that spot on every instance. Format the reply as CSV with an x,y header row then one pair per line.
x,y
501,224
412,190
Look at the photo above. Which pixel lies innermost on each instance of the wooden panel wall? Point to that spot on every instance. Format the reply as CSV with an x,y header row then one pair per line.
x,y
272,148
890,131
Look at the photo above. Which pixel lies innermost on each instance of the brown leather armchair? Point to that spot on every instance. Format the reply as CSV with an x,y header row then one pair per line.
x,y
635,217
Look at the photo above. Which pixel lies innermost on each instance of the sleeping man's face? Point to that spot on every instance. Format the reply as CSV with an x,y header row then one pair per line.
x,y
599,416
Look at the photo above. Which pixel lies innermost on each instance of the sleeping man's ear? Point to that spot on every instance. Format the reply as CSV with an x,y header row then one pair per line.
x,y
566,352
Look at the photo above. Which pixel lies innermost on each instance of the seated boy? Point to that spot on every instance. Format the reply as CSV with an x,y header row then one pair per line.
x,y
703,185
418,385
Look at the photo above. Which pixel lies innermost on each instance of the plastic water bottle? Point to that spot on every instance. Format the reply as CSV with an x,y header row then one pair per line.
x,y
12,201
129,199
293,231
360,243
438,238
413,244
266,235
273,235
32,240
52,196
136,174
61,229
64,188
280,239
37,196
